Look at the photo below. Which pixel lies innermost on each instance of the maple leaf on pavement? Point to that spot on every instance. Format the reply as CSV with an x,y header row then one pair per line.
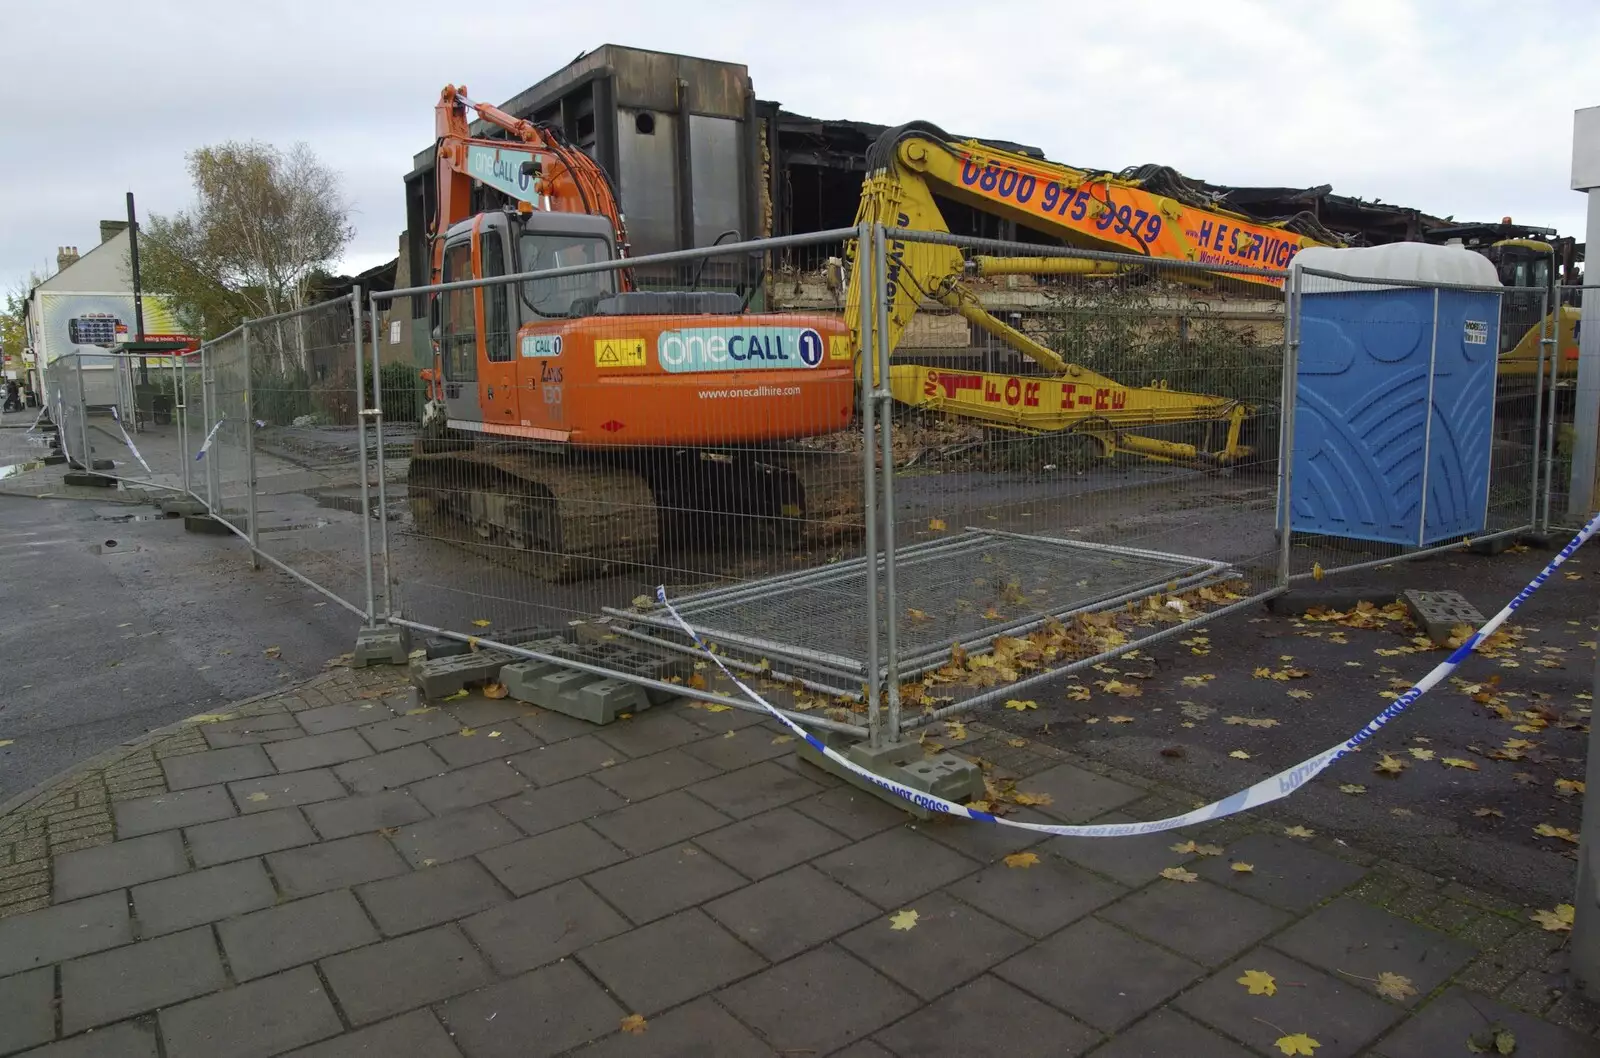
x,y
1354,789
903,920
1486,813
1389,765
1458,762
1022,797
1394,986
1178,874
1239,754
1243,868
1298,832
1545,830
634,1023
1021,704
1298,1043
937,525
1557,921
1259,983
1420,754
1022,859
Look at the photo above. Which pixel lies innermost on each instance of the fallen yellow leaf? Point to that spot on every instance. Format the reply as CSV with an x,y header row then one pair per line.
x,y
1396,987
1419,753
1298,1043
456,697
1389,765
1200,680
1487,813
937,525
1458,762
468,732
643,602
1023,798
1020,704
1354,789
1298,832
1300,694
1557,921
1545,830
1564,787
1243,868
1079,693
1178,874
634,1023
1316,571
494,734
495,690
257,797
697,681
1259,983
903,920
1021,859
1120,719
480,623
1016,743
7,741
779,740
1239,754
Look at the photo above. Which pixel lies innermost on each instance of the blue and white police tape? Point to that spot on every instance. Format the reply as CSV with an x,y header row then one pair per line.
x,y
212,436
1275,788
129,441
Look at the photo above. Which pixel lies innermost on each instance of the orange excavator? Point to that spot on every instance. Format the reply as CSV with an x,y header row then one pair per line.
x,y
574,422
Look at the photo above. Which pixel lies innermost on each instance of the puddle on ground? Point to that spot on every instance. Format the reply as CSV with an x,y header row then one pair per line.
x,y
20,468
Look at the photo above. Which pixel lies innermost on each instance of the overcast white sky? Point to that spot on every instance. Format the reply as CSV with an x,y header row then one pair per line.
x,y
1456,107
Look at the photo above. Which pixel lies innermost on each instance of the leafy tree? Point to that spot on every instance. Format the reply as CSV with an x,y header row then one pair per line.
x,y
13,317
265,223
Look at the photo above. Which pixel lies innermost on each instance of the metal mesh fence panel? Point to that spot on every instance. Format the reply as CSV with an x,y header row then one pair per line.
x,y
1414,430
1089,443
226,456
305,372
1558,509
686,420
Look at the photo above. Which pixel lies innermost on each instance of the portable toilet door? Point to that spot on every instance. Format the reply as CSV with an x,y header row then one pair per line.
x,y
1394,393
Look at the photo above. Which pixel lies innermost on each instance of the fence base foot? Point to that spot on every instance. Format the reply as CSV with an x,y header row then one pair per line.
x,y
1438,612
438,677
1494,545
1298,600
380,645
205,524
943,774
54,460
79,477
1542,541
582,695
181,508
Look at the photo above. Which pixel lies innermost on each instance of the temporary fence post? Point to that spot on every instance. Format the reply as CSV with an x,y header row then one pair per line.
x,y
180,415
250,456
1586,901
86,457
883,397
361,444
865,360
376,412
208,409
1545,351
1291,361
1552,375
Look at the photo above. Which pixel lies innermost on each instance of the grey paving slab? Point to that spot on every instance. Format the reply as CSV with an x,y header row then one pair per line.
x,y
988,1016
649,776
318,751
742,747
282,791
1287,873
465,787
951,944
430,896
199,897
533,1016
328,718
27,1009
334,865
1076,795
543,927
405,730
864,1049
1351,937
755,789
52,934
1168,1034
568,759
216,766
1099,974
254,1020
700,1029
118,865
497,742
533,863
251,730
414,1035
650,887
849,811
645,826
783,1003
1444,1026
984,842
294,933
397,975
169,811
723,721
364,813
126,1039
1132,861
111,985
1203,921
1037,899
536,811
391,769
670,961
770,842
1341,1015
895,866
482,712
245,836
453,836
554,727
790,912
650,732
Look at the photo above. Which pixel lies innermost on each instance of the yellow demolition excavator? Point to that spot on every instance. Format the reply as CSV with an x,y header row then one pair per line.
x,y
1149,212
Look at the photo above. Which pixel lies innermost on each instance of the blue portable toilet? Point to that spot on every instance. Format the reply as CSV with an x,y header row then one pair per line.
x,y
1394,413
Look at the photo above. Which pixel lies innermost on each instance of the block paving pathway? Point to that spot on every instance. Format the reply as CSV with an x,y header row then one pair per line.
x,y
327,873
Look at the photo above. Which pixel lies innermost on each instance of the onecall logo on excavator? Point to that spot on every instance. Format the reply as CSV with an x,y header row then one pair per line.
x,y
739,348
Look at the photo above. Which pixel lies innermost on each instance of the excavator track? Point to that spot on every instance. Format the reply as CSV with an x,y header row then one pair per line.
x,y
566,515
